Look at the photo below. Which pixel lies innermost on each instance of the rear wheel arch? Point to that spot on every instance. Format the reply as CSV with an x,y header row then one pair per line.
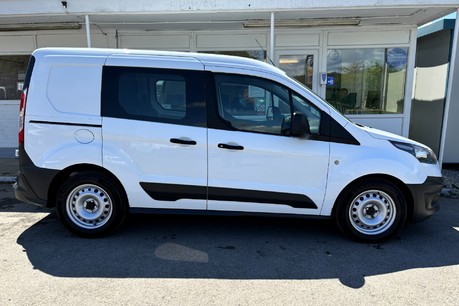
x,y
64,174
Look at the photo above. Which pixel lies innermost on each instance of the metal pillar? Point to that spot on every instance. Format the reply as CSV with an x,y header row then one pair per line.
x,y
271,47
453,77
88,32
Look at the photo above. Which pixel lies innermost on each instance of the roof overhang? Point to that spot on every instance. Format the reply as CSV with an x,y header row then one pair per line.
x,y
216,15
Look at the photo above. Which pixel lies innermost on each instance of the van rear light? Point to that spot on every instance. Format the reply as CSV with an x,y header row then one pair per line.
x,y
22,106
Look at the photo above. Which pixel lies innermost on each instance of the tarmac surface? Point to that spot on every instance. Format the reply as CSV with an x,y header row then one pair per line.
x,y
9,165
204,260
195,260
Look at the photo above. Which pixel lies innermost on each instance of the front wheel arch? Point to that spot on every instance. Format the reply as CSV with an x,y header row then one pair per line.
x,y
384,189
400,185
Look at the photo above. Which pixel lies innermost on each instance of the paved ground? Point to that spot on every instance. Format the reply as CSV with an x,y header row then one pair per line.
x,y
9,165
172,260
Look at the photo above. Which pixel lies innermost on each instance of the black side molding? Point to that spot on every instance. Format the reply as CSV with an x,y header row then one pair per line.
x,y
174,192
66,123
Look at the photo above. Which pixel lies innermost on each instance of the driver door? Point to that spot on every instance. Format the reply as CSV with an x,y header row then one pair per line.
x,y
254,165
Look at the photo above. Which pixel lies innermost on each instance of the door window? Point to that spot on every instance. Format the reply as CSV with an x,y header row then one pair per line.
x,y
300,104
159,95
259,105
253,104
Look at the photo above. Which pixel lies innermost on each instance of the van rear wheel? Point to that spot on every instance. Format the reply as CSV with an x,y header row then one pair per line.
x,y
371,211
90,204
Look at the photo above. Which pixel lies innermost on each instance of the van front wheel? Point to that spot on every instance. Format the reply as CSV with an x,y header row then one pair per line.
x,y
90,204
371,211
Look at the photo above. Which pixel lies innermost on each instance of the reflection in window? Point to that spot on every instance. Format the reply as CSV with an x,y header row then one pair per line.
x,y
252,104
262,106
299,67
367,81
156,95
12,75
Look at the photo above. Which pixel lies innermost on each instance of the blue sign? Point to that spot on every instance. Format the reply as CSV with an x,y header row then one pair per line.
x,y
396,58
330,81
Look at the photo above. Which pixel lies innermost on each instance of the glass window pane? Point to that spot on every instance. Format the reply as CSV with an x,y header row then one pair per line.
x,y
299,67
252,104
138,95
367,81
311,112
157,95
12,75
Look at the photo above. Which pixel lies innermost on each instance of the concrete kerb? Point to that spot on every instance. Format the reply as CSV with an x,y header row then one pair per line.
x,y
7,179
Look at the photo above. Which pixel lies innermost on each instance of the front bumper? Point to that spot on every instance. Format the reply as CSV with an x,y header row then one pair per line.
x,y
425,198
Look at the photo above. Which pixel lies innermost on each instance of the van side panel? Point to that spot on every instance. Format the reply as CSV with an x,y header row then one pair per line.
x,y
67,88
57,145
63,123
373,157
75,89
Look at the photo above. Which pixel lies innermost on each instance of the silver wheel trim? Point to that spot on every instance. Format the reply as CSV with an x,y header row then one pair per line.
x,y
89,206
372,212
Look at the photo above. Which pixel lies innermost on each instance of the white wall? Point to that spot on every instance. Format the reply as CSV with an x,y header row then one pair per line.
x,y
9,124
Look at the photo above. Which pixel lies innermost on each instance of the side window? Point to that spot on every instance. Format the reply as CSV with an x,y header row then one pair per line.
x,y
302,105
253,104
158,95
170,94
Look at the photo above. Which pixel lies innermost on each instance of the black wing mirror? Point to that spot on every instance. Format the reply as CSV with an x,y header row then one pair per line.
x,y
300,125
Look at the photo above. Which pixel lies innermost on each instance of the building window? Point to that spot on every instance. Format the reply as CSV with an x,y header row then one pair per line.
x,y
12,75
367,81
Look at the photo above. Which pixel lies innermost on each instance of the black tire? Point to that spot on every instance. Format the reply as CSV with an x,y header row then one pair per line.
x,y
371,211
91,204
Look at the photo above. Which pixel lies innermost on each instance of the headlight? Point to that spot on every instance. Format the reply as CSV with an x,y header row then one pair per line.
x,y
424,155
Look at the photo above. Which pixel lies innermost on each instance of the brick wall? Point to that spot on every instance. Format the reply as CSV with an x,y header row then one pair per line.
x,y
9,115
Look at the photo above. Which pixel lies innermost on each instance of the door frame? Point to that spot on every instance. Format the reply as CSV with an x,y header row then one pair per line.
x,y
316,88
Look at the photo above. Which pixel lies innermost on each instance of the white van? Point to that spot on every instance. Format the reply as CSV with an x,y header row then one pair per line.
x,y
107,132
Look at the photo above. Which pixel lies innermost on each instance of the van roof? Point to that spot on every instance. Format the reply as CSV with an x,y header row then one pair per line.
x,y
204,58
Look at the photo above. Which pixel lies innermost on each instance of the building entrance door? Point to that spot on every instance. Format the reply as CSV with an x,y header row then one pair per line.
x,y
302,66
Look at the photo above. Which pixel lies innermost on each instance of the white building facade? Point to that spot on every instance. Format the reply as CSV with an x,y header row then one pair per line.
x,y
359,55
